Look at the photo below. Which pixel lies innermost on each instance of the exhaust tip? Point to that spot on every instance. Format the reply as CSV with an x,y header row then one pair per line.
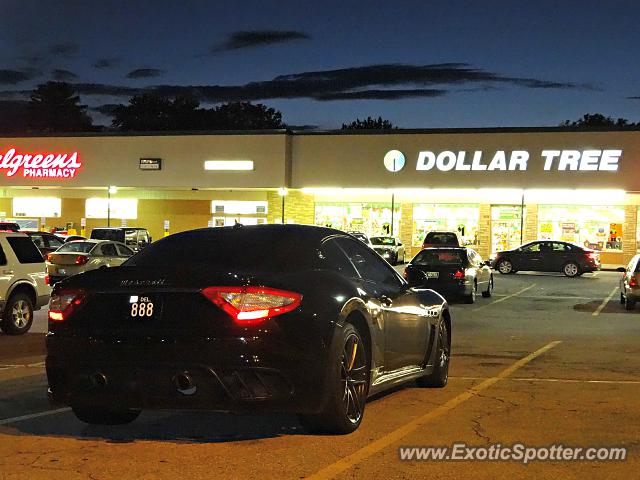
x,y
98,380
184,384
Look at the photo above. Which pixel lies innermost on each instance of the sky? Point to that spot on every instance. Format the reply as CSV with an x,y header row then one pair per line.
x,y
419,64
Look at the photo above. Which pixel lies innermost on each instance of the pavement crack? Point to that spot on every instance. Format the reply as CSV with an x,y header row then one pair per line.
x,y
479,431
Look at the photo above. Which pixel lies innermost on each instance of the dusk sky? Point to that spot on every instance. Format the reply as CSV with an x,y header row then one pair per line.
x,y
417,63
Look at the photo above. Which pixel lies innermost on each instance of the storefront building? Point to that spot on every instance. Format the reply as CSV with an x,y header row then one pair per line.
x,y
498,188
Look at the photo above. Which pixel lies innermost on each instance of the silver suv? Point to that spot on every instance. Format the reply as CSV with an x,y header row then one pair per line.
x,y
23,287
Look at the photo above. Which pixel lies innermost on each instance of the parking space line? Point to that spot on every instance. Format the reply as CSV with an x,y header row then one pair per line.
x,y
558,380
335,469
7,421
604,302
507,297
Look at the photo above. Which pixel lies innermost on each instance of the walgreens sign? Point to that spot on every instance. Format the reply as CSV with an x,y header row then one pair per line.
x,y
40,165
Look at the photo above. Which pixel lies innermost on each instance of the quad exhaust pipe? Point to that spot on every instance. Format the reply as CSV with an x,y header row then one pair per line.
x,y
184,384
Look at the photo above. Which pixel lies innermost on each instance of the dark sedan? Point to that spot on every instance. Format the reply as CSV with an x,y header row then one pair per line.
x,y
548,256
452,272
273,317
46,242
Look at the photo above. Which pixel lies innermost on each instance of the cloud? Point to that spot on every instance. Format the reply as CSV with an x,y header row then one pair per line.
x,y
66,49
257,38
371,82
634,98
62,75
13,77
103,63
145,73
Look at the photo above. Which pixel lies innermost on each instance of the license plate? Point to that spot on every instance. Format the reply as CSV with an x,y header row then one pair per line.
x,y
433,274
141,307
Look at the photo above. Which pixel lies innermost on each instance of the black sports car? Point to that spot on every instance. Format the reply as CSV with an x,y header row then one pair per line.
x,y
454,272
274,317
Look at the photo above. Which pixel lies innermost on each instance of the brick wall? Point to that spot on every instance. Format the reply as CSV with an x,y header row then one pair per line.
x,y
530,223
298,207
629,229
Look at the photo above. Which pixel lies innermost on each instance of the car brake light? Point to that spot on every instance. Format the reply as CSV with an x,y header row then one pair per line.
x,y
48,258
459,274
249,304
633,282
81,259
63,303
46,279
592,255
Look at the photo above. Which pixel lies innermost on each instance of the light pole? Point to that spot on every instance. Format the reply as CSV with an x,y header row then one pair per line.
x,y
283,193
110,190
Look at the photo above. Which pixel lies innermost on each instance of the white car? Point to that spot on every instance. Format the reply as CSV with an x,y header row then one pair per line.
x,y
23,286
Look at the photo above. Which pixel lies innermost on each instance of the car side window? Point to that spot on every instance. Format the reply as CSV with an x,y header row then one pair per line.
x,y
335,259
369,265
37,240
124,251
25,250
53,242
474,258
3,257
559,247
534,248
109,250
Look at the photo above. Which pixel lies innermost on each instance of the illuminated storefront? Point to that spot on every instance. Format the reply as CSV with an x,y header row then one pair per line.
x,y
497,188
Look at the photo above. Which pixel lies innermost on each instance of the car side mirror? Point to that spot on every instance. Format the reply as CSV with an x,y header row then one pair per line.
x,y
416,278
621,270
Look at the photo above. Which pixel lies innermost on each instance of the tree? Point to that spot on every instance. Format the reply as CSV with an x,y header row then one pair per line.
x,y
597,120
154,112
368,124
247,116
54,107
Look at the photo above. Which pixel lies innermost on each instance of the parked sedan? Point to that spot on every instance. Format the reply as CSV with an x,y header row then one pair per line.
x,y
256,318
441,239
389,248
84,255
452,272
630,283
548,256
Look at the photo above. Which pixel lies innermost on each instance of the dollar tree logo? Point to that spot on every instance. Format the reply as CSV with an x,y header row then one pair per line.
x,y
394,160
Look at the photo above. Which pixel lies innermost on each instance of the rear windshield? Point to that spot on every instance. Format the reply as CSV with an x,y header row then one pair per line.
x,y
76,247
441,238
442,257
230,250
115,234
25,250
382,241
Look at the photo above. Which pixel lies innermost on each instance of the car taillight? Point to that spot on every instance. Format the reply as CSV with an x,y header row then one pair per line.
x,y
81,259
592,255
633,282
249,304
459,274
48,258
63,303
405,273
46,279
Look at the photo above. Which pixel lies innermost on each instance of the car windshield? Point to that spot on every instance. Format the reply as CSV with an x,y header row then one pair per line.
x,y
76,247
439,257
441,238
383,241
114,234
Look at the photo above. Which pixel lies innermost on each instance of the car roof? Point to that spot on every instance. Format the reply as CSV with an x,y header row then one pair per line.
x,y
10,233
445,248
307,232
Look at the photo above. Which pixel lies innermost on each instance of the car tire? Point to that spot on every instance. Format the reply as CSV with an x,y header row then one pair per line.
x,y
18,315
622,300
505,266
104,416
471,298
629,304
348,386
571,269
439,377
489,290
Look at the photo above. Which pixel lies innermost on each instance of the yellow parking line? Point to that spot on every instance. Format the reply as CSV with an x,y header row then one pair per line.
x,y
335,469
604,302
507,297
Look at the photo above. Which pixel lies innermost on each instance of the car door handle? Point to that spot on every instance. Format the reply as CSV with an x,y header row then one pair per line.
x,y
385,301
7,272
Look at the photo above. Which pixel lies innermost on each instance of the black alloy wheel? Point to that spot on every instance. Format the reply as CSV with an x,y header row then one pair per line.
x,y
348,388
440,375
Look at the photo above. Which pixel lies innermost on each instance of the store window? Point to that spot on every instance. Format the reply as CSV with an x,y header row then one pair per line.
x,y
122,208
506,223
596,227
454,218
238,207
38,207
368,218
230,221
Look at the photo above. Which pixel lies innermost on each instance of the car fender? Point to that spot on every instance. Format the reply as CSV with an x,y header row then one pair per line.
x,y
20,282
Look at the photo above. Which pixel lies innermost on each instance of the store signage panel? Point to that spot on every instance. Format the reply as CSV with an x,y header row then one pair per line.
x,y
39,165
150,164
503,160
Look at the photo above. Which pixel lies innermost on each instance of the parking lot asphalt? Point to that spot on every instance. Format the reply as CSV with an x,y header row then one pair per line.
x,y
547,360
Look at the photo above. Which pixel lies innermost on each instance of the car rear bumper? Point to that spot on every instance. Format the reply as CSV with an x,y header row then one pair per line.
x,y
450,290
234,374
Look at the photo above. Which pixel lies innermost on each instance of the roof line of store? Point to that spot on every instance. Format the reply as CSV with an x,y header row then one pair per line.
x,y
399,131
